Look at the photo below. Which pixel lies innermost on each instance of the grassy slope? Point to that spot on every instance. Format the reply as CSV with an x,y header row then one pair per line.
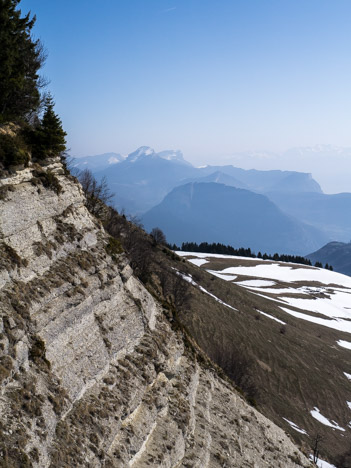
x,y
293,370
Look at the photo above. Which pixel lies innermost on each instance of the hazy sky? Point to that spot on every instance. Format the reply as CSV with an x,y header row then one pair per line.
x,y
208,77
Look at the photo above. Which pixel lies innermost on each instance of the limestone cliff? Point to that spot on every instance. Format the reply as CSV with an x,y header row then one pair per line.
x,y
92,372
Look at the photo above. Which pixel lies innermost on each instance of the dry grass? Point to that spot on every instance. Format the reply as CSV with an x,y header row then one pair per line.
x,y
290,369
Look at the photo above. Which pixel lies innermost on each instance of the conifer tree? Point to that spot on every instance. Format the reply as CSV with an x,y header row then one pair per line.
x,y
54,135
48,139
20,59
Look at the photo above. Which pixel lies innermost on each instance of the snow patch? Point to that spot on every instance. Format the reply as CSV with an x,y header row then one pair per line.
x,y
288,274
198,261
277,290
348,376
256,283
344,344
322,463
273,318
112,160
222,276
333,307
336,324
295,426
322,419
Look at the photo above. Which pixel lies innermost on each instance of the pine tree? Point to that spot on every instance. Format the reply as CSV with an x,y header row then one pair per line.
x,y
53,134
20,60
48,139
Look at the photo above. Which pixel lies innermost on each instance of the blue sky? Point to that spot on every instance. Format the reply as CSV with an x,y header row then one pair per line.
x,y
208,77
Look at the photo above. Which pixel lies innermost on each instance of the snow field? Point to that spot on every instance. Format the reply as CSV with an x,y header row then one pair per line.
x,y
332,299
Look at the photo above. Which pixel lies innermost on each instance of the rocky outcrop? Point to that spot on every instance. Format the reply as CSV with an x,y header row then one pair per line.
x,y
92,372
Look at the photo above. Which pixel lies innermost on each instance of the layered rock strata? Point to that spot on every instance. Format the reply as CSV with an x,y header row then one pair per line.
x,y
92,373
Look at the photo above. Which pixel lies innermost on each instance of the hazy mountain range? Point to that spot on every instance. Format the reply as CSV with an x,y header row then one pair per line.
x,y
219,213
275,210
329,164
145,177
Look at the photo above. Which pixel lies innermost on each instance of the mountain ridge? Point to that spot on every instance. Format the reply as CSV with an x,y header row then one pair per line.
x,y
218,213
145,177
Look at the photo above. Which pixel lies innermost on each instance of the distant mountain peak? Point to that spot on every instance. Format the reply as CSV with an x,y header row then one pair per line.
x,y
113,160
140,152
147,152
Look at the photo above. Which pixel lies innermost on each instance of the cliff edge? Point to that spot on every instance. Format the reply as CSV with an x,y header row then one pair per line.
x,y
92,372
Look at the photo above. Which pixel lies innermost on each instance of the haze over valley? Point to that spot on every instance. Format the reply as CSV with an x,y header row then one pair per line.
x,y
268,211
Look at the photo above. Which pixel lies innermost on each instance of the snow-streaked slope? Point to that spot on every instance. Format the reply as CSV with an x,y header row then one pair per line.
x,y
313,294
299,318
190,280
295,426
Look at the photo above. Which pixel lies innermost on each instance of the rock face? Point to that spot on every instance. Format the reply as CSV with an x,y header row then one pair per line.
x,y
92,372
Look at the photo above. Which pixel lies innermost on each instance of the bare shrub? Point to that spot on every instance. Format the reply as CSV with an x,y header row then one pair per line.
x,y
133,240
175,289
158,236
97,194
316,443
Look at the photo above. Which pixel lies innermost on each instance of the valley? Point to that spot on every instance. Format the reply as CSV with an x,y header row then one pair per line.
x,y
273,211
